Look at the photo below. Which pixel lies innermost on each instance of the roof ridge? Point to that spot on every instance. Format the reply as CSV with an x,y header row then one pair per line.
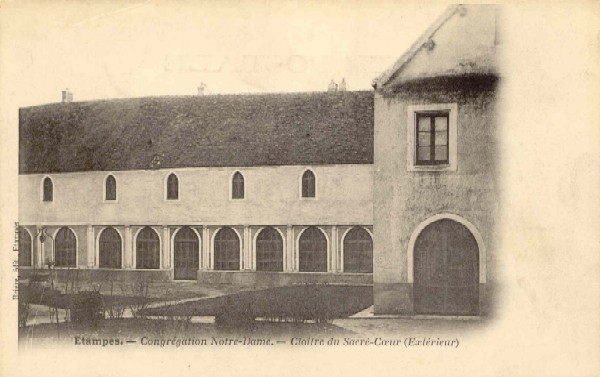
x,y
190,96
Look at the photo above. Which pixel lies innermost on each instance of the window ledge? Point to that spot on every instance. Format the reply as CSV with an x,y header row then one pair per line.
x,y
445,167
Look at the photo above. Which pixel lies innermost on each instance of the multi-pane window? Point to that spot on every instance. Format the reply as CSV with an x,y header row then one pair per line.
x,y
269,250
48,190
172,187
237,186
432,138
308,184
227,250
147,249
110,249
358,251
313,251
110,188
24,248
65,248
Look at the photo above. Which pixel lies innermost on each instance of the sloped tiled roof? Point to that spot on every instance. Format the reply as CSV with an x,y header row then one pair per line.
x,y
197,131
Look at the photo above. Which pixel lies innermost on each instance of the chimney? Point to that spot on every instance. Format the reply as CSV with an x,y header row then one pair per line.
x,y
201,88
342,87
67,95
332,87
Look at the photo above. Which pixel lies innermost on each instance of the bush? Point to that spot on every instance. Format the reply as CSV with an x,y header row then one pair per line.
x,y
87,307
234,313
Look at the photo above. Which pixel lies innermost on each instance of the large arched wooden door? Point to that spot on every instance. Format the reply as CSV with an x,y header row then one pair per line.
x,y
186,255
446,270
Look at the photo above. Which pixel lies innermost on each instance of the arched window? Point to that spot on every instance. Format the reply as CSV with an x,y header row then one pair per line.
x,y
227,250
110,249
172,187
358,251
313,251
147,249
237,186
110,191
269,250
48,190
24,248
309,187
65,248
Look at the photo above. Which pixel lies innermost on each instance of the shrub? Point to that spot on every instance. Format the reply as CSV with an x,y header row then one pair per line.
x,y
87,307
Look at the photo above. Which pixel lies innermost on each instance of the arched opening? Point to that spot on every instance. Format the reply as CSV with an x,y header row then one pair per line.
x,y
186,254
147,247
312,251
237,186
65,248
172,187
227,250
110,190
309,187
48,190
25,248
109,249
269,250
358,251
446,270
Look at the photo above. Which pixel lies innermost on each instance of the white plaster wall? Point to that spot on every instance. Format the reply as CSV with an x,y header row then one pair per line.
x,y
464,44
272,197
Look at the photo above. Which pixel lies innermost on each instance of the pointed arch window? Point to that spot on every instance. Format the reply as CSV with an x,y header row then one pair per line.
x,y
25,251
172,187
313,251
269,250
65,248
110,188
48,190
227,250
147,249
358,251
309,186
110,249
237,186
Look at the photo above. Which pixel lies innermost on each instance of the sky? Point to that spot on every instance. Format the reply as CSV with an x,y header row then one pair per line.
x,y
111,49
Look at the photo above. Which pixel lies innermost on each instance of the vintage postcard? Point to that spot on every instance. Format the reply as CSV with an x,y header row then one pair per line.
x,y
300,188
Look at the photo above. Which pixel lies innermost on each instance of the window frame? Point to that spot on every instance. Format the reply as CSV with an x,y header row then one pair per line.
x,y
231,182
271,260
104,192
43,190
300,252
361,257
166,188
226,260
413,112
22,229
136,250
54,239
98,243
302,197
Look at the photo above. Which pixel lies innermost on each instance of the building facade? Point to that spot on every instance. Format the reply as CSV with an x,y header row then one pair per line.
x,y
193,197
395,187
436,167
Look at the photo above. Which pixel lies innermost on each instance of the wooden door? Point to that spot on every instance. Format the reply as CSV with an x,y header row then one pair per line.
x,y
186,255
446,270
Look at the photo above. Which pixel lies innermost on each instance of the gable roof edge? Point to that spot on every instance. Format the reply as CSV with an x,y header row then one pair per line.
x,y
391,72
